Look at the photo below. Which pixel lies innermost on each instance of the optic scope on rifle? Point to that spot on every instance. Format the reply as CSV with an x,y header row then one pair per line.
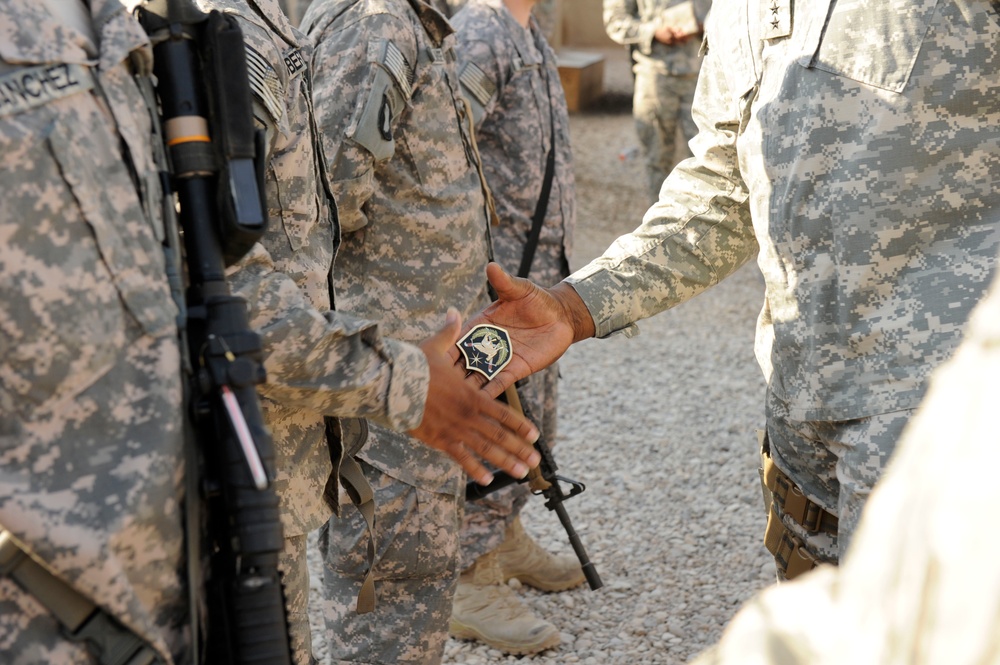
x,y
215,156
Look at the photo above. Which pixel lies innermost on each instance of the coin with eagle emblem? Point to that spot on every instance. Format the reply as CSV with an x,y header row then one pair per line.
x,y
486,349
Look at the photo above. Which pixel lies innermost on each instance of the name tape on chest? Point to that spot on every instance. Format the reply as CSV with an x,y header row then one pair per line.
x,y
36,86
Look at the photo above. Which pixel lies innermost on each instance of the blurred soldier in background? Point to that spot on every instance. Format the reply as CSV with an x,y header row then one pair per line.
x,y
91,432
509,76
663,37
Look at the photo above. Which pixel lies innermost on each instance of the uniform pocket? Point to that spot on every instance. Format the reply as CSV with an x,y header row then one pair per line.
x,y
106,197
63,324
873,45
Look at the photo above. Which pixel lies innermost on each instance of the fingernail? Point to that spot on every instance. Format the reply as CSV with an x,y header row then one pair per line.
x,y
533,435
520,470
486,478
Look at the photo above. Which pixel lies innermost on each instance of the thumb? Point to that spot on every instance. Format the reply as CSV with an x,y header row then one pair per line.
x,y
444,338
507,286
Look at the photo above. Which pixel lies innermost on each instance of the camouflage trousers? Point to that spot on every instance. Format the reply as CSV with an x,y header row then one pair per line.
x,y
661,106
835,464
415,572
487,519
294,567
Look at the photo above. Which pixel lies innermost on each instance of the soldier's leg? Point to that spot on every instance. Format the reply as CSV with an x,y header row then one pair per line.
x,y
415,572
294,568
800,473
825,472
496,548
863,448
655,126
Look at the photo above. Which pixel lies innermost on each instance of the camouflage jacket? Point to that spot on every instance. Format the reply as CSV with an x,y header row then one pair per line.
x,y
319,362
854,161
633,22
908,590
402,165
90,383
510,78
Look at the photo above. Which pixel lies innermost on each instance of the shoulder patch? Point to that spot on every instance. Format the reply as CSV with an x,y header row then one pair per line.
x,y
477,83
264,83
390,57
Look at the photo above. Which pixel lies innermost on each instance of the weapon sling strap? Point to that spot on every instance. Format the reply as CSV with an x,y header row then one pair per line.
x,y
543,199
363,497
80,618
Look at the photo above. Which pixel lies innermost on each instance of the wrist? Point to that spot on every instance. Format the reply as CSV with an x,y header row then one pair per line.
x,y
575,312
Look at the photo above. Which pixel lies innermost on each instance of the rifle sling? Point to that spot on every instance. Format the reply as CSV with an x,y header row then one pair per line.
x,y
81,619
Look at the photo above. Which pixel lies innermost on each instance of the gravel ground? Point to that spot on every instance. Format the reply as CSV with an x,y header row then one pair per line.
x,y
661,430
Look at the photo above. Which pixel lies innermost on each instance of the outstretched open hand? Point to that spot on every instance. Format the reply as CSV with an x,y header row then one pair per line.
x,y
466,423
541,323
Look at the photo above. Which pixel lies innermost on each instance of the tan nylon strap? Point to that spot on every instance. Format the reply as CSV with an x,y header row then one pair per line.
x,y
361,493
82,619
790,553
786,494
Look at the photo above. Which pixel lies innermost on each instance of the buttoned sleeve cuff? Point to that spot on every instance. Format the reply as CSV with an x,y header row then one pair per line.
x,y
406,395
599,289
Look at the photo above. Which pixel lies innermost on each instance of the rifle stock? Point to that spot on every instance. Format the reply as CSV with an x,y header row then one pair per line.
x,y
214,156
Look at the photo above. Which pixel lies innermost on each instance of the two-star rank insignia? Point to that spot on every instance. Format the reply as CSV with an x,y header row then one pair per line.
x,y
486,349
776,17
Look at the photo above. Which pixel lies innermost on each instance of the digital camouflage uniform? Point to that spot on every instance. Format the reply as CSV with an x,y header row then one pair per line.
x,y
920,583
665,77
318,361
90,384
510,78
402,167
858,159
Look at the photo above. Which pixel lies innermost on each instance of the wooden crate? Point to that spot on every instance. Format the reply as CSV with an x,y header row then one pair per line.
x,y
582,77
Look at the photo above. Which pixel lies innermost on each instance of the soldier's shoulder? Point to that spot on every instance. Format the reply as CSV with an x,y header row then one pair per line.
x,y
339,15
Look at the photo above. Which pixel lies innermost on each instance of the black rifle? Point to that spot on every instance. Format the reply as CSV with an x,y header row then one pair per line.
x,y
215,157
543,480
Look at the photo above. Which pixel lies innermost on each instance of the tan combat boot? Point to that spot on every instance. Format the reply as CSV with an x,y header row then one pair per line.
x,y
487,610
521,557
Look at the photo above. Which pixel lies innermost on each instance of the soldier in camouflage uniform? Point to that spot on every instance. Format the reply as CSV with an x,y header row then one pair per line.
x,y
319,362
401,163
845,147
90,381
920,583
663,39
509,75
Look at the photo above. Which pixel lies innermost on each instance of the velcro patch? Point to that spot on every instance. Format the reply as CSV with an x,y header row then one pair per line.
x,y
477,83
264,83
395,62
35,86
